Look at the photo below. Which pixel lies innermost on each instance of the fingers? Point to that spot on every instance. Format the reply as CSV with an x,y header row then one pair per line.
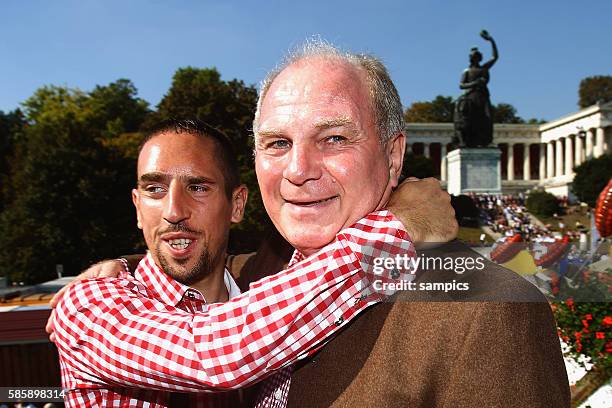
x,y
104,269
56,298
109,269
49,328
49,325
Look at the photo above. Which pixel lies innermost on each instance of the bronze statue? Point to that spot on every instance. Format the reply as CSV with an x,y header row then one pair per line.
x,y
473,116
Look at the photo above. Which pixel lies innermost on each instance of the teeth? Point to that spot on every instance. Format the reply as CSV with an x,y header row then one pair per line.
x,y
181,243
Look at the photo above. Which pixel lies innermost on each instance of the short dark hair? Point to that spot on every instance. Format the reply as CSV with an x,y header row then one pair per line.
x,y
225,149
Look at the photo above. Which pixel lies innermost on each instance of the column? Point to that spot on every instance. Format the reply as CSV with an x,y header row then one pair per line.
x,y
443,161
426,150
558,157
578,152
526,162
599,142
542,164
569,156
550,160
510,161
589,144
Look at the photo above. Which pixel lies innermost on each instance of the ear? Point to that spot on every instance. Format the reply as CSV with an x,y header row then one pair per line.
x,y
395,152
136,201
239,199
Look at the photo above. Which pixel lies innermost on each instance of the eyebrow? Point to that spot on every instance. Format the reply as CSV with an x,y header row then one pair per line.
x,y
272,132
322,124
156,177
335,122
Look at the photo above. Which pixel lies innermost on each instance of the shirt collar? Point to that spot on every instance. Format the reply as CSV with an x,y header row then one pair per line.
x,y
296,257
167,289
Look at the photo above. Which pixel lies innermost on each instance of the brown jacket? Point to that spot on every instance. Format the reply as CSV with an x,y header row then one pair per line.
x,y
494,346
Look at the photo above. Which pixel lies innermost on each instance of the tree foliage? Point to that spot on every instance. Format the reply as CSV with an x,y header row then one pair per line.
x,y
417,166
11,125
591,177
595,89
441,110
542,203
505,113
70,201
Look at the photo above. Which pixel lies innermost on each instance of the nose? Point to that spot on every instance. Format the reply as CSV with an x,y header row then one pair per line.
x,y
304,164
176,208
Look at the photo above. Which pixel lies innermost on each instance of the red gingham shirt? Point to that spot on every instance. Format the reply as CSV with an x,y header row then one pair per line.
x,y
131,340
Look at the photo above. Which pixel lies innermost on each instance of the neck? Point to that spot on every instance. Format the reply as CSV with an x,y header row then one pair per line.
x,y
213,286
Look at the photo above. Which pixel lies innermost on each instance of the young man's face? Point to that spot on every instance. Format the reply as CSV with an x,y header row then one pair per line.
x,y
182,207
319,162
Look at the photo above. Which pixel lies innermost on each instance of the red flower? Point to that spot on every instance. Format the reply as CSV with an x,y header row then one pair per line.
x,y
585,323
607,321
570,303
589,317
600,335
578,335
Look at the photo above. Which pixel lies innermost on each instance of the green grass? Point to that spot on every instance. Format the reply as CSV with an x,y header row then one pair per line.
x,y
472,235
579,214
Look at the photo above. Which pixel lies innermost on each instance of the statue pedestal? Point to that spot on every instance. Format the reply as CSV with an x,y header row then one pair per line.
x,y
474,170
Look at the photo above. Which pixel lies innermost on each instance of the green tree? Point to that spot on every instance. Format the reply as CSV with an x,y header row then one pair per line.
x,y
417,166
440,109
71,202
542,203
594,89
591,177
505,113
230,107
11,125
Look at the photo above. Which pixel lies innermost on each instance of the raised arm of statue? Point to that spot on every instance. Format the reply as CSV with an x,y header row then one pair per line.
x,y
485,34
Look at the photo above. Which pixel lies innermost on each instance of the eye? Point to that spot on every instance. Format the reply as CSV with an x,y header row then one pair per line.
x,y
278,144
335,139
199,188
155,189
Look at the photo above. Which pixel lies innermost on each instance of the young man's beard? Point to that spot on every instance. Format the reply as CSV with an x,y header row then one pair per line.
x,y
199,271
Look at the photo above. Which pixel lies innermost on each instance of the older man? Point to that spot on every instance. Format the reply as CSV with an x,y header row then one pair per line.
x,y
329,148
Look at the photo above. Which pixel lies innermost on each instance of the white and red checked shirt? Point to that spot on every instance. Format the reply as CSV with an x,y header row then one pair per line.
x,y
129,341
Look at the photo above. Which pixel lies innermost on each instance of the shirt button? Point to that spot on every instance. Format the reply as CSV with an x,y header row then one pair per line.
x,y
278,394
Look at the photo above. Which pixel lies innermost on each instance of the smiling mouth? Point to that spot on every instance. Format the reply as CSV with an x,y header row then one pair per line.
x,y
179,244
311,203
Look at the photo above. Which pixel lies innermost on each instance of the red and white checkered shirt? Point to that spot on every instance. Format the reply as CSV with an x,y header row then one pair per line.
x,y
131,340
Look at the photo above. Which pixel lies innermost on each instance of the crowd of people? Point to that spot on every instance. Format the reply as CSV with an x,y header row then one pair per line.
x,y
508,215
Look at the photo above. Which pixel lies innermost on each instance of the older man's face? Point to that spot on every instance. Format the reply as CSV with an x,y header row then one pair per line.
x,y
319,162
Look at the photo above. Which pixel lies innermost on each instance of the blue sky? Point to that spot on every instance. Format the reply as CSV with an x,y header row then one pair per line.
x,y
546,47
